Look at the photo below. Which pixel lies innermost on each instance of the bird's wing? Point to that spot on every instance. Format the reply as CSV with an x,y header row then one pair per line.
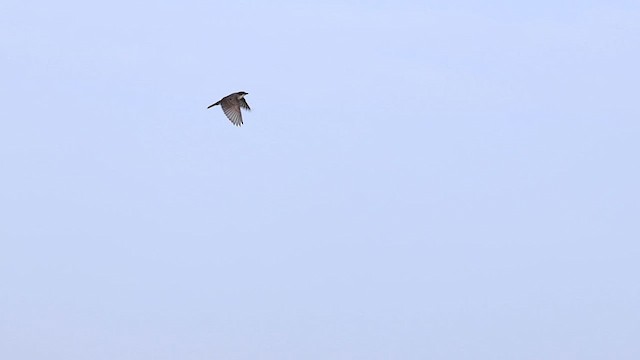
x,y
232,110
244,105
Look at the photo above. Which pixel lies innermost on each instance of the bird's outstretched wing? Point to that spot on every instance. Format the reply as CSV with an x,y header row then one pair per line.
x,y
244,105
232,110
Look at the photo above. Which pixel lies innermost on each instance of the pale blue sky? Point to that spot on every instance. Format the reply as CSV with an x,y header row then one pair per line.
x,y
417,180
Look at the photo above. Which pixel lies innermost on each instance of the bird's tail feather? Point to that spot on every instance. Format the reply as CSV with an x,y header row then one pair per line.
x,y
218,103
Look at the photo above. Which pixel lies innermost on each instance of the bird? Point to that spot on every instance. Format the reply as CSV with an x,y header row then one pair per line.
x,y
231,105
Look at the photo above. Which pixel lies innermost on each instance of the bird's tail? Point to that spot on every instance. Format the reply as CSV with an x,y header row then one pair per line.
x,y
218,103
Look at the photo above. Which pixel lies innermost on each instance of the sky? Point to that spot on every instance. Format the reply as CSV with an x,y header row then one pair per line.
x,y
416,180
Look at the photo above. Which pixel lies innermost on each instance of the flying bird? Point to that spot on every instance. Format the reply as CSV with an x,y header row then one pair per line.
x,y
231,105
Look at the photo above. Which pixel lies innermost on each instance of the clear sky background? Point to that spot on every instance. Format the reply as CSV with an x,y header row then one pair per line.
x,y
417,180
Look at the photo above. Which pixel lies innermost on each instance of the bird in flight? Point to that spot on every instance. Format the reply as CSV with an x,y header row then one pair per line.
x,y
231,105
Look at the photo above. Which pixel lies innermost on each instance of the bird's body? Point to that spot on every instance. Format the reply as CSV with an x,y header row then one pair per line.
x,y
231,105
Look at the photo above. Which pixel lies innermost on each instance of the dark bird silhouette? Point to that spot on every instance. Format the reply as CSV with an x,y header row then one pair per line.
x,y
231,105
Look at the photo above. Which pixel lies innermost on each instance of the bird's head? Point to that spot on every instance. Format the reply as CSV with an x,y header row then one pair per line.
x,y
241,94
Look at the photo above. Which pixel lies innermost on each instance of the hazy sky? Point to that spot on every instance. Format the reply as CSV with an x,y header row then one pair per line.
x,y
417,180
